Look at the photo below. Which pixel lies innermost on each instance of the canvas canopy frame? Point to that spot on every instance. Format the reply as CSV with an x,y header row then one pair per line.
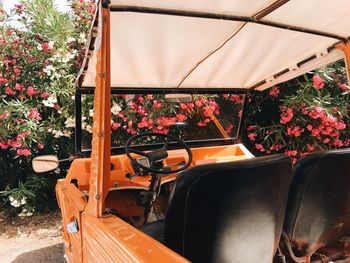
x,y
229,44
139,67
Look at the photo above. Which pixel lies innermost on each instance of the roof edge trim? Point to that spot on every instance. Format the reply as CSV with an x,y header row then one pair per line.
x,y
247,19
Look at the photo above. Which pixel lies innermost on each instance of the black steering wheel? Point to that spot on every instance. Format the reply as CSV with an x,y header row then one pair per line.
x,y
157,156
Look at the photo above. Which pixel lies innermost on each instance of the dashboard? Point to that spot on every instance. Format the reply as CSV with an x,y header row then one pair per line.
x,y
124,176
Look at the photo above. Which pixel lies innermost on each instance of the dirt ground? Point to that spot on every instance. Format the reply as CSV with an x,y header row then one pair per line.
x,y
34,239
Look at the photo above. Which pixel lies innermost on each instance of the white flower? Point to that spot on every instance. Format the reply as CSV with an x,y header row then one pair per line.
x,y
115,109
49,69
65,59
11,199
39,47
15,203
50,101
57,134
67,133
23,200
91,113
70,40
82,38
88,128
25,213
71,55
51,44
70,122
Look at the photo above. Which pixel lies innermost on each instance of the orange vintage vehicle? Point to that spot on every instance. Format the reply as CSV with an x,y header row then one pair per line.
x,y
188,195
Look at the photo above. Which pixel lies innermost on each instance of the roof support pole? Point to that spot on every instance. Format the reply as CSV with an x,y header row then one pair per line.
x,y
101,135
345,47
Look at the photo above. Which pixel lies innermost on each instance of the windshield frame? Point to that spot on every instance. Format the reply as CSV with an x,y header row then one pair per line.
x,y
191,143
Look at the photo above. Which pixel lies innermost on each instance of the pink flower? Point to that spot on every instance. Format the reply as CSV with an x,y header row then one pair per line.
x,y
40,146
252,136
310,147
250,128
183,106
181,117
4,145
274,92
3,80
46,47
326,140
318,82
287,116
24,152
9,91
294,130
115,125
31,91
259,147
229,128
315,132
157,104
309,127
45,95
19,87
235,98
343,87
292,153
34,114
198,103
4,115
141,99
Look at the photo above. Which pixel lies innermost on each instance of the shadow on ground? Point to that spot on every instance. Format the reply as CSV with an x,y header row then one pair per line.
x,y
52,254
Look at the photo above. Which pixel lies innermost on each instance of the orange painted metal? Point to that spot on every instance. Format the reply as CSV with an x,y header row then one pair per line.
x,y
72,203
110,239
345,47
80,168
101,138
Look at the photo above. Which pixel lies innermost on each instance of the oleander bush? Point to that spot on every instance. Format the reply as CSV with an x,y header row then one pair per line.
x,y
41,50
307,114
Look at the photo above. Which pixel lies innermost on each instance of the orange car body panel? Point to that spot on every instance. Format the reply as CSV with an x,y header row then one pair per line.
x,y
108,238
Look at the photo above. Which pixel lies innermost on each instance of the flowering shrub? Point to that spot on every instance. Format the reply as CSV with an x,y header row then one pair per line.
x,y
40,56
138,113
311,118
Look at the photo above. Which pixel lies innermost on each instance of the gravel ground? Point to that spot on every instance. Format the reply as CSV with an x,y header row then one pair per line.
x,y
36,239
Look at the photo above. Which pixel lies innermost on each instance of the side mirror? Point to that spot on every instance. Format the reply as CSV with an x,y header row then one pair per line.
x,y
45,163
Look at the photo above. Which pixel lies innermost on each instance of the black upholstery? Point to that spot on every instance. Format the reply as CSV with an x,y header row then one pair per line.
x,y
229,212
318,211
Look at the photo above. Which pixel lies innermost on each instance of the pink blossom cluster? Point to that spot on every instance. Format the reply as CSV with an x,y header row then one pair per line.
x,y
274,92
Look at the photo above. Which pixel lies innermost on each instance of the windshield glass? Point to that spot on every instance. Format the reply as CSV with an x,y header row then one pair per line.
x,y
205,117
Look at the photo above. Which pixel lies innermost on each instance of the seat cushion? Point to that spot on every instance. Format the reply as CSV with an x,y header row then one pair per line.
x,y
229,212
318,211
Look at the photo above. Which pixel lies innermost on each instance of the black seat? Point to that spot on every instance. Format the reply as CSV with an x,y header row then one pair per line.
x,y
318,211
229,212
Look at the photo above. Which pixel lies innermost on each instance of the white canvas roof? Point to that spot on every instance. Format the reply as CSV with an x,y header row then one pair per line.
x,y
255,44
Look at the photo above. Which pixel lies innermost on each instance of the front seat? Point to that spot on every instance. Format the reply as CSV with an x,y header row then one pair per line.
x,y
229,212
318,210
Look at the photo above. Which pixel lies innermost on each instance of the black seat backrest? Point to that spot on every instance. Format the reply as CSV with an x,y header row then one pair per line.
x,y
318,211
229,212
